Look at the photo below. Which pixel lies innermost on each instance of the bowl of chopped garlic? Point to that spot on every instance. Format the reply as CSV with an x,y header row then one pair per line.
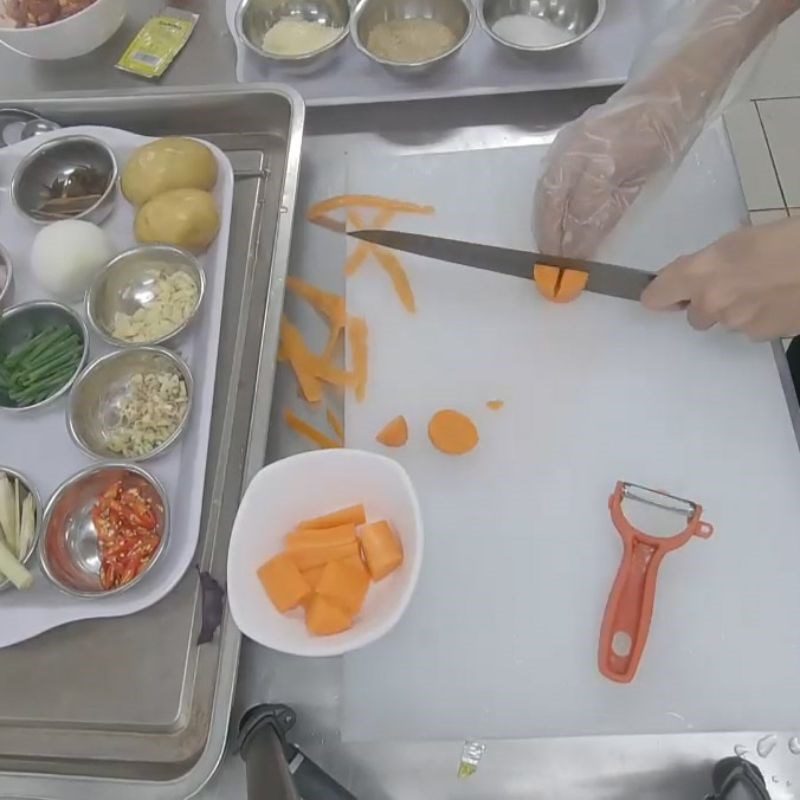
x,y
146,295
411,36
301,35
131,405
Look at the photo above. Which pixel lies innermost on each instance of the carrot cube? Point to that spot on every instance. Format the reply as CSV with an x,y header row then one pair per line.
x,y
283,583
324,618
345,585
343,534
352,515
313,575
308,556
382,549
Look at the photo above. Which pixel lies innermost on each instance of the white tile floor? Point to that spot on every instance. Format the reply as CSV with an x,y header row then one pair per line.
x,y
765,130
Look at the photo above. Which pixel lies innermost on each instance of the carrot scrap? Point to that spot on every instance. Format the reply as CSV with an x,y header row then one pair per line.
x,y
304,363
495,405
559,285
394,433
352,515
308,431
357,332
324,207
452,432
362,251
335,423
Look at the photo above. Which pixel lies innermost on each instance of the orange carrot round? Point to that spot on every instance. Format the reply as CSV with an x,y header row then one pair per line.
x,y
394,433
452,432
559,285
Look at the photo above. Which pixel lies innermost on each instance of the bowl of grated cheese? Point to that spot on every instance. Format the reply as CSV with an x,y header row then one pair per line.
x,y
301,35
147,295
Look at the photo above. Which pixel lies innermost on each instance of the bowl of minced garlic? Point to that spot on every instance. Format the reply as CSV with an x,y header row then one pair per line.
x,y
410,36
297,33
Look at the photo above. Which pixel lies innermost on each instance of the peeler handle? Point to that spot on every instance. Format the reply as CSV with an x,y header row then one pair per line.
x,y
626,623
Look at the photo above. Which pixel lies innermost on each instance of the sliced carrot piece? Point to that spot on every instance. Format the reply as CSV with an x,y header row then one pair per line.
x,y
495,405
452,432
308,431
357,333
559,285
357,562
321,537
335,423
361,253
365,201
324,618
382,549
313,575
352,515
344,585
394,433
283,583
308,556
304,363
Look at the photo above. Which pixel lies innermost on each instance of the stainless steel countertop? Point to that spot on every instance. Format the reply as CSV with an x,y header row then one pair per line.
x,y
209,57
618,768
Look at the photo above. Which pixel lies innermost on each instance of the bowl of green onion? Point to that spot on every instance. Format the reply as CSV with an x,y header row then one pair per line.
x,y
20,521
43,347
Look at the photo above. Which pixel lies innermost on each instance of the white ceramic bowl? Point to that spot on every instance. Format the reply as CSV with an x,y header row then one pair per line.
x,y
305,486
71,37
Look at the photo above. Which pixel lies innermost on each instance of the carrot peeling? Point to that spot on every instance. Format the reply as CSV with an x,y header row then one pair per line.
x,y
559,285
357,333
363,250
325,207
495,405
452,432
394,433
335,423
304,363
308,431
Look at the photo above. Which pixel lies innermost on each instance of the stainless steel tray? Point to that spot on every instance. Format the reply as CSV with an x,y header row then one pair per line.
x,y
135,701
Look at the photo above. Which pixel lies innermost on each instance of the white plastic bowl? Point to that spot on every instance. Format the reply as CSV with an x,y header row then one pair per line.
x,y
305,486
71,37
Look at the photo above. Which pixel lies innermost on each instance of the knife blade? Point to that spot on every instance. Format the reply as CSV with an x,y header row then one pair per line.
x,y
609,279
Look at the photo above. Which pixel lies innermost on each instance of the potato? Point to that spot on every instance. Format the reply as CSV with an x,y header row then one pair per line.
x,y
166,164
185,218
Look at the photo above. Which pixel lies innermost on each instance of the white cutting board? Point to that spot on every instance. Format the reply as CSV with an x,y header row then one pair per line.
x,y
501,637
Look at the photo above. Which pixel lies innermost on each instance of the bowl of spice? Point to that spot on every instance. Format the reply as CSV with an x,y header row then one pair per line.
x,y
69,177
299,34
6,277
43,347
411,36
526,27
146,295
103,530
131,405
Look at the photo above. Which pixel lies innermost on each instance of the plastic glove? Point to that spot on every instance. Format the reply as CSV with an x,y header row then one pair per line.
x,y
748,281
598,165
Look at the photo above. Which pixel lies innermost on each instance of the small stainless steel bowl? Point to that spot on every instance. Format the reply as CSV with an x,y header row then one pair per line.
x,y
37,505
19,323
68,540
255,17
576,17
59,162
127,284
98,395
457,15
6,276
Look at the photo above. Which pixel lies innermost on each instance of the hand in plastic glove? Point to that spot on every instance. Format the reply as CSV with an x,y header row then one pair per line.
x,y
748,281
599,164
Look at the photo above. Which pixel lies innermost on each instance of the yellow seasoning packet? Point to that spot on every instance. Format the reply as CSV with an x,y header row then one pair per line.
x,y
158,43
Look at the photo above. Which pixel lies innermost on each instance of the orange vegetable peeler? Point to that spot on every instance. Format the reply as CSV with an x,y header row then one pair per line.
x,y
671,522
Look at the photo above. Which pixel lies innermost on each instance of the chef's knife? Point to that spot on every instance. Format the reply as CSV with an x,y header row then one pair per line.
x,y
609,279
